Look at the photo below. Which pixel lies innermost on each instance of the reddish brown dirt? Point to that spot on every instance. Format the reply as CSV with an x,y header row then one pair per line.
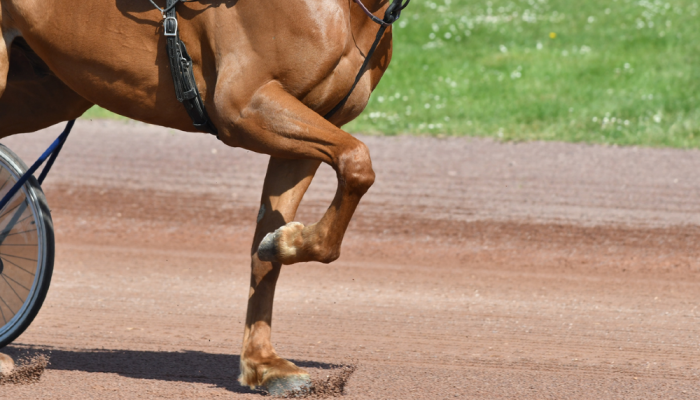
x,y
473,269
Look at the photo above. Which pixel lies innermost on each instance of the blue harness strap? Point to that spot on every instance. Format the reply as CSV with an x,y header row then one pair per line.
x,y
51,152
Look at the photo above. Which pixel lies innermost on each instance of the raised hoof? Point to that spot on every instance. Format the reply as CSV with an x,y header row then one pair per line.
x,y
282,386
267,251
7,365
276,246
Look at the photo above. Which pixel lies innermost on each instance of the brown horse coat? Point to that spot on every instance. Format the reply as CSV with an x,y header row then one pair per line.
x,y
267,70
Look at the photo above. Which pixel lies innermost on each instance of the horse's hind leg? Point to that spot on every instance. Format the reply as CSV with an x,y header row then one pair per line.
x,y
33,97
5,43
278,124
285,184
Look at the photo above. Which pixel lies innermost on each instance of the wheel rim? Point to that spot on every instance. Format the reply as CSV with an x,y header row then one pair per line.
x,y
20,244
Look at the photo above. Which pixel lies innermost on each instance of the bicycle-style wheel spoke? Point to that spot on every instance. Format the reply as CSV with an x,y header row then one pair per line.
x,y
26,248
20,253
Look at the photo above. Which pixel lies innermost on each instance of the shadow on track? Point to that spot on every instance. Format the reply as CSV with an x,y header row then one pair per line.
x,y
220,370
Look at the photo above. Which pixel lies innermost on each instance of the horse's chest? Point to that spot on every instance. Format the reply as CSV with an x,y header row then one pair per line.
x,y
339,83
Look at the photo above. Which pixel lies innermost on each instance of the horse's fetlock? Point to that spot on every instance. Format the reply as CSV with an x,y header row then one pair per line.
x,y
330,256
324,254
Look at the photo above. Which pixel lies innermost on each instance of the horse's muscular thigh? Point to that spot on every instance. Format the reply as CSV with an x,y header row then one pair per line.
x,y
4,60
33,97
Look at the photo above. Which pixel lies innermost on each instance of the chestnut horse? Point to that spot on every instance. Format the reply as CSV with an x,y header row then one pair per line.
x,y
267,72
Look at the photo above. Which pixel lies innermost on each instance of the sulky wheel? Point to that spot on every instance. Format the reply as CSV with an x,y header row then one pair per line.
x,y
26,249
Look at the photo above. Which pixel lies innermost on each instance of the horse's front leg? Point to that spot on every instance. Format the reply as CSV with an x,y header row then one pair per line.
x,y
276,123
285,184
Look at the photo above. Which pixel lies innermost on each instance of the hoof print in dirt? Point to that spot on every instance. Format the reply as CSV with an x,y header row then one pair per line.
x,y
333,385
283,386
27,370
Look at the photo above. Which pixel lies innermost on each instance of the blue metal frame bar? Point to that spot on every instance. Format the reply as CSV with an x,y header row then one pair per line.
x,y
52,151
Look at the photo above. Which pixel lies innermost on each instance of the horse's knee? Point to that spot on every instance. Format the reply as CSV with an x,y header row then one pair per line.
x,y
355,169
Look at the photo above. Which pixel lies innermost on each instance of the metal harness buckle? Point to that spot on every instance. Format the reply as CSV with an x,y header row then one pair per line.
x,y
170,32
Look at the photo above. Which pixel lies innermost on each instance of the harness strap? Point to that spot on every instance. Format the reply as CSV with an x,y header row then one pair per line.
x,y
181,68
392,14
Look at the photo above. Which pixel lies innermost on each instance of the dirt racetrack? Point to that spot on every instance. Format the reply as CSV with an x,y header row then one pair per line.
x,y
473,269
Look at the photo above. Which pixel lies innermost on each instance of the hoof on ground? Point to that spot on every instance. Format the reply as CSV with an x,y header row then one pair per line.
x,y
7,365
277,246
287,384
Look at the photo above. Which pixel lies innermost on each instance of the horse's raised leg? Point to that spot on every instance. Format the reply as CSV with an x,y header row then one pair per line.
x,y
276,123
285,184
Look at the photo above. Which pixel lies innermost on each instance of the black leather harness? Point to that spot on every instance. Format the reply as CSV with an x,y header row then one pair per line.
x,y
181,68
183,75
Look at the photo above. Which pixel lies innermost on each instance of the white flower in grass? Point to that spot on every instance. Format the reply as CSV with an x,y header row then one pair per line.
x,y
448,35
427,106
591,19
515,74
380,99
539,46
503,49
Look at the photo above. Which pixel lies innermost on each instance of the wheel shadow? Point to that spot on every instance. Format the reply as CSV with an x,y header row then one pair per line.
x,y
220,370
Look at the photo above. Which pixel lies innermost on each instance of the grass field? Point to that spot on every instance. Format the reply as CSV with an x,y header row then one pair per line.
x,y
623,72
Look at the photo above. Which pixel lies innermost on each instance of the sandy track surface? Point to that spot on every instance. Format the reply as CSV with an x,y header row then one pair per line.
x,y
473,269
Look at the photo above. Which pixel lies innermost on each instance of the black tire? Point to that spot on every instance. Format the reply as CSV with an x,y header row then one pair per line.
x,y
26,249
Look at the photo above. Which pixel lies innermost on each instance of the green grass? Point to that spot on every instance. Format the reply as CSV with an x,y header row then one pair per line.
x,y
623,72
100,113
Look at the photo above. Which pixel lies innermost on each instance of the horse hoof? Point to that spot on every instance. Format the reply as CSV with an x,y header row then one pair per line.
x,y
287,384
275,246
267,251
7,365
